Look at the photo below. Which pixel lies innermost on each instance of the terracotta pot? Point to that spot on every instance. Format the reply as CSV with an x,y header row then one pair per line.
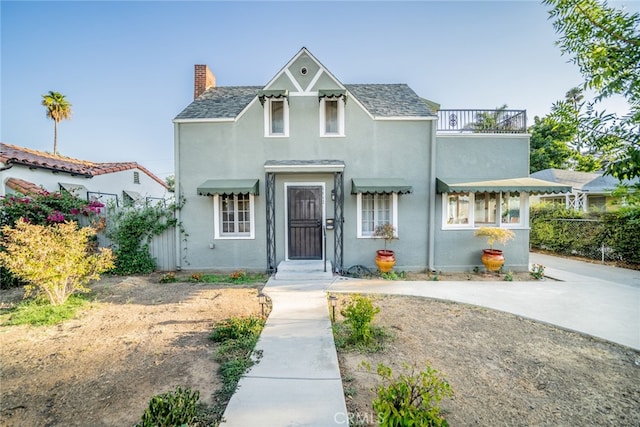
x,y
492,259
385,260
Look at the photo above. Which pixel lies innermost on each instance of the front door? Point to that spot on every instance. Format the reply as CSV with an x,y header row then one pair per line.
x,y
304,215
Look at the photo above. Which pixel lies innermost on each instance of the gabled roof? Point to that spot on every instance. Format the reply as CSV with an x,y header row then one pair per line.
x,y
220,103
591,182
390,100
13,154
380,100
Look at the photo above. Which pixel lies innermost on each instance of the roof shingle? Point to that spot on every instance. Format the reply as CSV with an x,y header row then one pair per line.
x,y
39,159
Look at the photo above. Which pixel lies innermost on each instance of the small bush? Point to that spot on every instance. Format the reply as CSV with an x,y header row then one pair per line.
x,y
537,271
236,328
410,399
168,278
359,313
176,408
56,260
508,277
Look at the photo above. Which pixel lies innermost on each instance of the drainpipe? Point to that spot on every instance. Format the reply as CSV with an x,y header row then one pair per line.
x,y
177,192
432,198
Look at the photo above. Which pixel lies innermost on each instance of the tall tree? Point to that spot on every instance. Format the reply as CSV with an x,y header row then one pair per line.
x,y
604,42
58,109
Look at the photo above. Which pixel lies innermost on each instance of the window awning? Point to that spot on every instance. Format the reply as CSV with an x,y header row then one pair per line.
x,y
528,185
273,93
332,93
380,185
228,186
134,195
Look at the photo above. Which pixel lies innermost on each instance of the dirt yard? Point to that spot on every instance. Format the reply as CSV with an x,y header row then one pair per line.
x,y
141,338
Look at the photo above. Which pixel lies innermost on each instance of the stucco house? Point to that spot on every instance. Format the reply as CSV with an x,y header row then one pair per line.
x,y
589,190
25,170
305,167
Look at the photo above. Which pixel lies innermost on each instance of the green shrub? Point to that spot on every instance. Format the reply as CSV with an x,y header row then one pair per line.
x,y
55,260
359,313
174,408
40,312
410,399
236,328
131,230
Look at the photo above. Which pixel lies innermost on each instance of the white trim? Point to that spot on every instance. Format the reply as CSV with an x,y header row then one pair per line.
x,y
341,121
315,79
267,118
293,79
471,225
294,59
286,212
394,216
483,135
404,118
225,119
217,234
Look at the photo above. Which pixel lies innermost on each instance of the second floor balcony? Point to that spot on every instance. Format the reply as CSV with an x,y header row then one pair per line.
x,y
482,121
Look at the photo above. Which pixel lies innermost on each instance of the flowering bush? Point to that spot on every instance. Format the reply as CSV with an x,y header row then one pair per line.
x,y
45,208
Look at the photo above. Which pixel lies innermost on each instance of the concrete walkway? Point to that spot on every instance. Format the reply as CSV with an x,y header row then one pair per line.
x,y
297,380
587,302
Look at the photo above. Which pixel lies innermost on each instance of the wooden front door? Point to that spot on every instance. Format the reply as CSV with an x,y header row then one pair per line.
x,y
305,222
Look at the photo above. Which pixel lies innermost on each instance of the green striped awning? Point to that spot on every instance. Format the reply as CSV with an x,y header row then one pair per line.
x,y
528,185
380,185
228,186
332,93
272,93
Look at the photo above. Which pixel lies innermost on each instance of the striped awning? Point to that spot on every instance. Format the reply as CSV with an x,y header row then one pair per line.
x,y
333,93
380,185
228,186
272,93
525,185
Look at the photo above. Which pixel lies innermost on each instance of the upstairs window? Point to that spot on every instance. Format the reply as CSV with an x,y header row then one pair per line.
x,y
276,116
331,117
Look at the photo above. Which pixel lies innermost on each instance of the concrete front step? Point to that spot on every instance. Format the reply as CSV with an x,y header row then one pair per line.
x,y
304,270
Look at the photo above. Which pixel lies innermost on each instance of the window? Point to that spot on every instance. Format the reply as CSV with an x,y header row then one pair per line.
x,y
510,210
233,216
374,210
276,117
457,208
484,208
136,177
489,209
331,117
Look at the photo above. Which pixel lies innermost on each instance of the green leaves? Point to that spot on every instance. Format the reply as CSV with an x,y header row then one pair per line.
x,y
412,398
604,42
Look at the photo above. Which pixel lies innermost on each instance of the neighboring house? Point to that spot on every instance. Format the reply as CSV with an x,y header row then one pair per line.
x,y
589,190
305,167
25,170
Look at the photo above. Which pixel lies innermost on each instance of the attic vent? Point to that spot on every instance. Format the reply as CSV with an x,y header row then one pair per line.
x,y
136,177
304,71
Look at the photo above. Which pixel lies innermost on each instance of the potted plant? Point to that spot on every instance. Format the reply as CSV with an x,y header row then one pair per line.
x,y
493,259
385,258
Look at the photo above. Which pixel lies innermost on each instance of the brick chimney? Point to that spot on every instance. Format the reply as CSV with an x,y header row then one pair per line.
x,y
203,80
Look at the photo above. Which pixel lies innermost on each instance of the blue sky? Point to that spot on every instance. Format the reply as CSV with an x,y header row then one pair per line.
x,y
127,67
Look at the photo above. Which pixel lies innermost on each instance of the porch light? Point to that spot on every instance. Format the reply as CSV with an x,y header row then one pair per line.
x,y
333,300
262,299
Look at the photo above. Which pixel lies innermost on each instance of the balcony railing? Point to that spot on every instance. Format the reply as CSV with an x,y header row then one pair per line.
x,y
482,121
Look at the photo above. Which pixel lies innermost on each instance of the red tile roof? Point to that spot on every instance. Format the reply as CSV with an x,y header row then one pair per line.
x,y
22,186
39,159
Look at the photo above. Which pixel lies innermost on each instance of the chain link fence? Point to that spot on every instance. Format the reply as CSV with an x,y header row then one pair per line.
x,y
577,237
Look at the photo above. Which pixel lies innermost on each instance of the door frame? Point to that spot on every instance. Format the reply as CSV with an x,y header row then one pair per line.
x,y
286,213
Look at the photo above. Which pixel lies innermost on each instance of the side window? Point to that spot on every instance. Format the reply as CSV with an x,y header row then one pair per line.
x,y
234,216
510,209
375,209
276,118
331,117
457,208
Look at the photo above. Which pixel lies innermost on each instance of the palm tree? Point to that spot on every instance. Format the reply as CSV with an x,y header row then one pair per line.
x,y
58,109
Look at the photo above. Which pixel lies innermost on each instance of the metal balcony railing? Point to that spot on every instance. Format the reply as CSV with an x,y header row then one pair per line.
x,y
482,121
